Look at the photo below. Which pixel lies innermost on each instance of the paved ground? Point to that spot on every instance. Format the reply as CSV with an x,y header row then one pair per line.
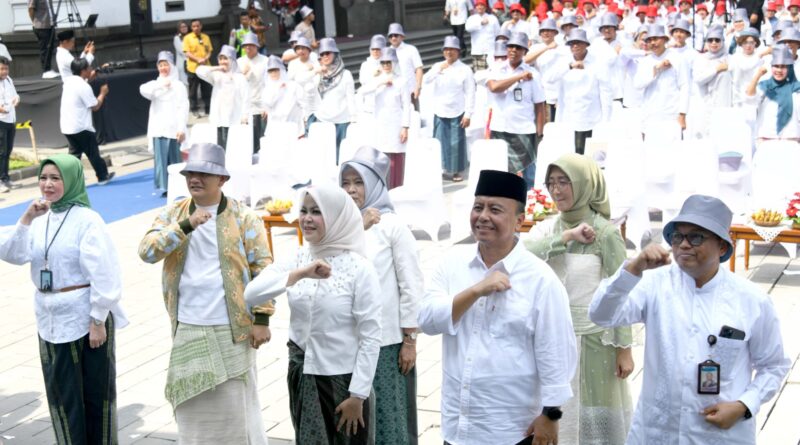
x,y
143,347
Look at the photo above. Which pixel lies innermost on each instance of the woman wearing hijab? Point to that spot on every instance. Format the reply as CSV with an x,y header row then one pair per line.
x,y
281,96
75,270
180,57
336,97
335,321
744,64
392,114
169,113
229,94
392,249
712,75
776,98
583,247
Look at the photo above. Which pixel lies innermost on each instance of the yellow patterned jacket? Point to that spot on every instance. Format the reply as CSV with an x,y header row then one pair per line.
x,y
243,254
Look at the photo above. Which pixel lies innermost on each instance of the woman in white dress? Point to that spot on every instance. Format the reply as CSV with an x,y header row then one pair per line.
x,y
282,97
180,58
229,94
76,273
392,114
169,113
335,322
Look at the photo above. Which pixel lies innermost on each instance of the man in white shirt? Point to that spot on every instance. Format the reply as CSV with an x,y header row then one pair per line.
x,y
77,104
482,28
584,92
9,99
542,56
409,60
457,11
516,90
517,22
664,76
609,45
64,57
254,68
453,89
508,349
306,28
699,318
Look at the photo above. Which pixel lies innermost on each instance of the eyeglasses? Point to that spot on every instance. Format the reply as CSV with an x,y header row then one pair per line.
x,y
563,184
694,238
394,36
386,62
713,40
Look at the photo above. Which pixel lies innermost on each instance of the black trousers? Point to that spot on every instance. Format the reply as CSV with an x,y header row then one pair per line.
x,y
7,132
196,83
458,31
259,126
85,142
580,141
526,441
81,389
47,47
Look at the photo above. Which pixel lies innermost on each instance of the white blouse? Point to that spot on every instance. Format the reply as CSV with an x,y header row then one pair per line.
x,y
229,98
169,107
336,321
83,253
304,73
337,105
392,112
256,77
453,89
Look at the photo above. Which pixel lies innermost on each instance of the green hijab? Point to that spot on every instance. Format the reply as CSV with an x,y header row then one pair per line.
x,y
588,188
72,176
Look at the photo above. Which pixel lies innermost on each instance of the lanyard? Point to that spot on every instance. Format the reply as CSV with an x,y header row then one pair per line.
x,y
46,232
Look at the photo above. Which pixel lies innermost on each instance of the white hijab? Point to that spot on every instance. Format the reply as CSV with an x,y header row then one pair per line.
x,y
344,227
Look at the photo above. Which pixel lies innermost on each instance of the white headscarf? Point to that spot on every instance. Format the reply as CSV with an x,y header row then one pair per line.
x,y
344,227
229,52
166,56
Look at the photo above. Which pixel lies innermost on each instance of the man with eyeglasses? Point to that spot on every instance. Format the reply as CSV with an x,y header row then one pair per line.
x,y
664,77
409,60
700,318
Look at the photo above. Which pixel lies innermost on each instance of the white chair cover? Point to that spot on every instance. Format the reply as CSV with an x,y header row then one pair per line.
x,y
323,136
203,133
176,183
732,134
238,160
625,180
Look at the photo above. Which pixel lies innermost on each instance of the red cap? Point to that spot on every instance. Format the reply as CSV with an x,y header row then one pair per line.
x,y
541,8
580,12
499,5
720,9
517,7
591,2
558,7
652,11
701,7
641,9
481,2
672,9
771,7
794,3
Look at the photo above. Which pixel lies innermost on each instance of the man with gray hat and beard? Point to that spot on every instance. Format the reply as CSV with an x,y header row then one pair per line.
x,y
701,320
212,246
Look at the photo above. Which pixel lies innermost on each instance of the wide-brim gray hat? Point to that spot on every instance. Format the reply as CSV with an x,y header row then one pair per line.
x,y
609,20
206,158
377,42
577,35
250,39
518,39
388,55
790,35
504,33
500,49
302,41
782,25
549,25
305,11
275,63
569,20
452,43
683,25
328,45
715,32
228,51
654,31
295,35
741,15
707,212
374,160
782,55
395,29
165,56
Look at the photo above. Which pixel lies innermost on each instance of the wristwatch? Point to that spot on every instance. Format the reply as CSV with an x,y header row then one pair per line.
x,y
552,412
97,322
412,336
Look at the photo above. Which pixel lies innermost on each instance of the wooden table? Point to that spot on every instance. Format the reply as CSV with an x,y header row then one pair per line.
x,y
742,232
271,221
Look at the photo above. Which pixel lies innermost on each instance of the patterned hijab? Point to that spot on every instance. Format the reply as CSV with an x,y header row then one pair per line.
x,y
588,188
71,171
376,195
332,76
344,228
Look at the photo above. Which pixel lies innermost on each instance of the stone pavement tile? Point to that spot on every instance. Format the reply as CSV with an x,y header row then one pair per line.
x,y
432,402
168,431
150,441
430,380
782,426
432,436
146,424
24,432
283,430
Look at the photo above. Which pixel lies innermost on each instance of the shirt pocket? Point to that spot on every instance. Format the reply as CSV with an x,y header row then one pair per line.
x,y
727,353
508,316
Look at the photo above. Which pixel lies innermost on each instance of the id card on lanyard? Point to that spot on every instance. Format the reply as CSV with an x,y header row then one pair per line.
x,y
46,275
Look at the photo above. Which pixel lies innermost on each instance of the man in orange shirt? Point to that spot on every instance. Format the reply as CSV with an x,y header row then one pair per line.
x,y
197,47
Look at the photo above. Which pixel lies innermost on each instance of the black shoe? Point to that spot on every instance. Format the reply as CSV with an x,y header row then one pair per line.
x,y
108,178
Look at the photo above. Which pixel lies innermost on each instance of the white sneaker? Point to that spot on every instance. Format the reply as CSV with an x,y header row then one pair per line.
x,y
50,75
4,188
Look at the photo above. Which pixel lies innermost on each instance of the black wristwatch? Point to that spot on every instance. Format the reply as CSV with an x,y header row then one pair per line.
x,y
552,412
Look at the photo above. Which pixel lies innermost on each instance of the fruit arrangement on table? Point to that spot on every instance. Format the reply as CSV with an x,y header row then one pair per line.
x,y
278,206
767,218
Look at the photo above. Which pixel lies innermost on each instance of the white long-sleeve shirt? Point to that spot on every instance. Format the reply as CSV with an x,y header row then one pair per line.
x,y
304,73
255,76
544,63
458,10
767,117
338,105
482,35
169,107
679,317
392,112
282,101
511,115
716,88
392,248
742,68
630,58
666,94
368,72
335,321
77,101
7,96
64,60
82,253
229,96
409,60
584,95
453,89
509,355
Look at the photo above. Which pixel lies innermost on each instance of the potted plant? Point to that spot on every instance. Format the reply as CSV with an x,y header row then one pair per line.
x,y
793,211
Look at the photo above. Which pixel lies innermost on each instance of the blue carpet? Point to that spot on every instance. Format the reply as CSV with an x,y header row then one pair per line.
x,y
122,197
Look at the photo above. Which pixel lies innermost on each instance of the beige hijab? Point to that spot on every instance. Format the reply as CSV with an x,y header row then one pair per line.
x,y
344,228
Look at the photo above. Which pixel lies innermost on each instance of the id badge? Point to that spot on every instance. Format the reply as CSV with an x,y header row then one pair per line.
x,y
708,377
518,94
45,280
